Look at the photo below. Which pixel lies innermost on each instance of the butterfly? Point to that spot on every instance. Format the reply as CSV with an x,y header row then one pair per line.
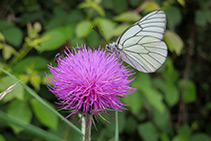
x,y
141,45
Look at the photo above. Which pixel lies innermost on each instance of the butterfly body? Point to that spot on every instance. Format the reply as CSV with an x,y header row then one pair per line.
x,y
141,45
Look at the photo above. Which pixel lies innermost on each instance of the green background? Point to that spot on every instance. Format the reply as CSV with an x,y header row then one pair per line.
x,y
173,103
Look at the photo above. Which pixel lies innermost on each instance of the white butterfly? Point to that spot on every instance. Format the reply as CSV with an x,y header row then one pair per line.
x,y
141,45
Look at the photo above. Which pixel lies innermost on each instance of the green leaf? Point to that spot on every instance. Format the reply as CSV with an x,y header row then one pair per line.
x,y
171,75
45,116
200,137
171,94
54,39
69,30
83,29
200,18
142,81
164,137
17,92
155,98
1,37
6,52
131,124
173,16
120,6
96,43
149,6
174,42
99,9
34,62
76,16
180,138
134,3
35,80
148,132
182,2
119,30
134,101
2,138
127,16
189,90
184,130
1,45
4,24
162,120
108,4
13,35
21,111
207,14
107,26
184,133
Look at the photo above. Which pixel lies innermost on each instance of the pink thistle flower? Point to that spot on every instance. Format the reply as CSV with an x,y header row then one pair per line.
x,y
90,81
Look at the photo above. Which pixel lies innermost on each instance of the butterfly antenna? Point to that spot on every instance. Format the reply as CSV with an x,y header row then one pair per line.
x,y
102,36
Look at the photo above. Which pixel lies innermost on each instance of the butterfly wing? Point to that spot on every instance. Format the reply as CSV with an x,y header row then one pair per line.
x,y
141,44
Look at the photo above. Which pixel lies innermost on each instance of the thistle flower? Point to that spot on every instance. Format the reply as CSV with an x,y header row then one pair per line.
x,y
90,81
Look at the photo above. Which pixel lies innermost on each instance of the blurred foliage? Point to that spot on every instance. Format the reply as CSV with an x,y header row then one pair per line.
x,y
171,104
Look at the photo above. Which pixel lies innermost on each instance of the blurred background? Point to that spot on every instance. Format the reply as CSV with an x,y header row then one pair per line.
x,y
170,104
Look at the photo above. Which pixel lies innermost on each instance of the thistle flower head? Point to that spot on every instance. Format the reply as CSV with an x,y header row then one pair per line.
x,y
90,81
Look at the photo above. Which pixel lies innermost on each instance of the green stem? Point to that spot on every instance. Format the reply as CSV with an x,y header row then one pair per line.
x,y
22,53
117,127
87,125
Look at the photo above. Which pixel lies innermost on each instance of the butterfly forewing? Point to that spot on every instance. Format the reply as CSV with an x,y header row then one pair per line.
x,y
141,44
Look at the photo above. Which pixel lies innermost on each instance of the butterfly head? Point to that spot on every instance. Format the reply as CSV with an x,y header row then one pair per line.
x,y
111,47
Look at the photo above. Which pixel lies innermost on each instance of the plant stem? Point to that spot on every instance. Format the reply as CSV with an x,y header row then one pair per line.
x,y
117,127
88,125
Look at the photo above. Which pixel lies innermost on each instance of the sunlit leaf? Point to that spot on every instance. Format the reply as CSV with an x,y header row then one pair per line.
x,y
119,30
35,80
174,42
149,6
105,25
127,16
83,28
99,9
6,52
182,2
55,38
2,138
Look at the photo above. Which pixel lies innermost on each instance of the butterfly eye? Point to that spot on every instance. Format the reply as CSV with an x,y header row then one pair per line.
x,y
108,47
